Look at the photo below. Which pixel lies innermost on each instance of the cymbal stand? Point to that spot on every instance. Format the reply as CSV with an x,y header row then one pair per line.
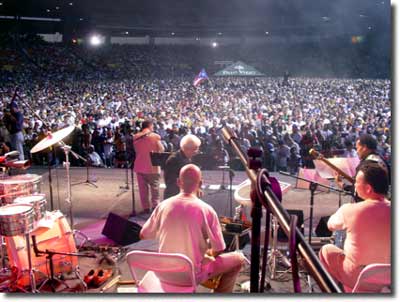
x,y
30,268
67,150
275,253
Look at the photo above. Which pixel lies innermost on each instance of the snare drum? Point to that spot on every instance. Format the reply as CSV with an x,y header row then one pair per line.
x,y
18,185
58,238
38,202
16,219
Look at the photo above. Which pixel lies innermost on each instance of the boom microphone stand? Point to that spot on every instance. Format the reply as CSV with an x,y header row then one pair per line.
x,y
52,280
313,187
87,181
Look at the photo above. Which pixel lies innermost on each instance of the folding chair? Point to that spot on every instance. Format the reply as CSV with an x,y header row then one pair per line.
x,y
163,272
374,278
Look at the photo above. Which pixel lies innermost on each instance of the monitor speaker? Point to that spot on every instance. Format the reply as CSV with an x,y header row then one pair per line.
x,y
322,227
121,230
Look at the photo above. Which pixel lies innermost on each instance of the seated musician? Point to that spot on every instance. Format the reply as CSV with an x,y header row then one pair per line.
x,y
185,224
367,225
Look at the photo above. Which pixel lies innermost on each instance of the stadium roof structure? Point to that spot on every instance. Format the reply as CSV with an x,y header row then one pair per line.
x,y
188,18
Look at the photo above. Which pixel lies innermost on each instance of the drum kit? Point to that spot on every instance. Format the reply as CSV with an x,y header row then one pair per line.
x,y
23,215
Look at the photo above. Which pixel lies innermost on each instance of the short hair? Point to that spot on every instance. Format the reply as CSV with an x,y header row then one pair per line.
x,y
189,140
146,124
368,140
376,176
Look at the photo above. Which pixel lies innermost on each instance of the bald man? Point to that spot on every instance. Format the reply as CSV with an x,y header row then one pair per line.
x,y
187,225
189,147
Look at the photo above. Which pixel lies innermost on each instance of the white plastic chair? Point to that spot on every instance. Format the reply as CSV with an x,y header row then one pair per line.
x,y
165,272
374,278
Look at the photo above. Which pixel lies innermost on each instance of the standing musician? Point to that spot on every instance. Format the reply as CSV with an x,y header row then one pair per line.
x,y
189,146
366,146
148,176
197,226
367,225
14,122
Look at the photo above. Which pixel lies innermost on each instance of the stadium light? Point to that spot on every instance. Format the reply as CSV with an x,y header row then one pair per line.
x,y
95,40
214,44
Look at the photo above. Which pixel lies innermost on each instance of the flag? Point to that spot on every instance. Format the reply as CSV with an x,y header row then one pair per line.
x,y
202,76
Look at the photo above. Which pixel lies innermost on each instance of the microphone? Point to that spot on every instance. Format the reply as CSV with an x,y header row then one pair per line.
x,y
284,173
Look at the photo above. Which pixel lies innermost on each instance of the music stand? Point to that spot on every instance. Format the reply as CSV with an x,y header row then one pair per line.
x,y
159,158
313,186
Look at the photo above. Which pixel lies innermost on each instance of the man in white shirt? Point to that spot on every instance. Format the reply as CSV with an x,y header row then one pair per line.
x,y
185,224
367,225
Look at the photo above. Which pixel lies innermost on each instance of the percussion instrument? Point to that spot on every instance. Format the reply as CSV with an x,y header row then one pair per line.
x,y
52,138
16,219
242,192
18,185
58,237
38,201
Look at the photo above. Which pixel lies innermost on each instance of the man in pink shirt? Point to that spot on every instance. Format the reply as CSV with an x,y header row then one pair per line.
x,y
367,225
185,224
148,176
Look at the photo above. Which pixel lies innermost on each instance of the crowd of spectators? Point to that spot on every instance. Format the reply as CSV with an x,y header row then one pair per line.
x,y
106,93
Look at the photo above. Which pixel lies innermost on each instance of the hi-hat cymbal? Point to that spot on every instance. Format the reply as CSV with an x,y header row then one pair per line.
x,y
52,139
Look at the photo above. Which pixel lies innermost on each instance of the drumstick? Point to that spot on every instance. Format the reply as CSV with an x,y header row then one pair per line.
x,y
126,282
111,283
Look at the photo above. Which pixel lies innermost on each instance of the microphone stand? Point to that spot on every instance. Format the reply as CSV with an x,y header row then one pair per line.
x,y
231,176
125,188
52,280
313,187
87,181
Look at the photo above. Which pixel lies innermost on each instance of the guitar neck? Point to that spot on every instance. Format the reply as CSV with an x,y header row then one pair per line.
x,y
332,166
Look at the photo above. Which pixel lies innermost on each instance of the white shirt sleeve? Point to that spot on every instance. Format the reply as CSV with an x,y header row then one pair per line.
x,y
336,221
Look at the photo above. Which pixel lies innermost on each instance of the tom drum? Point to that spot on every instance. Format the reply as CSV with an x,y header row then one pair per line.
x,y
38,202
16,219
18,185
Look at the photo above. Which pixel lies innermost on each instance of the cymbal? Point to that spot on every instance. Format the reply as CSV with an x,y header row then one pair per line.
x,y
52,139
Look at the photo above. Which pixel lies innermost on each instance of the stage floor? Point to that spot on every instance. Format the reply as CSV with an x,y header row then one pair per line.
x,y
92,204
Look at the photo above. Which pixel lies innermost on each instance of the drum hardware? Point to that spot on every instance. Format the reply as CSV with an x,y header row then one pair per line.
x,y
276,255
67,150
52,280
18,219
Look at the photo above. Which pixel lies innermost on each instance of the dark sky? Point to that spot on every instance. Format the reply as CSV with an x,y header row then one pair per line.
x,y
220,15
